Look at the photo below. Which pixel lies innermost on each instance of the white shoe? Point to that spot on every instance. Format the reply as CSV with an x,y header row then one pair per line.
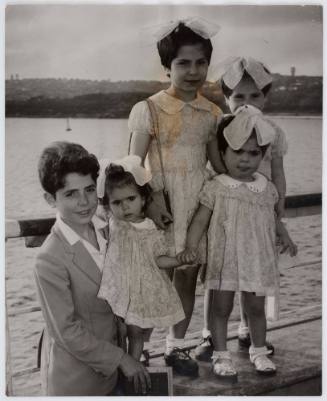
x,y
263,365
223,367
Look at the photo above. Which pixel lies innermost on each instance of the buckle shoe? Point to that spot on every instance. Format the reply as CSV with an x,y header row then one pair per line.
x,y
181,362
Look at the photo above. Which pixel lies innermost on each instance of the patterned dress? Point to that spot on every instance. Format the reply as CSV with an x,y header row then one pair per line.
x,y
185,129
241,236
133,285
278,148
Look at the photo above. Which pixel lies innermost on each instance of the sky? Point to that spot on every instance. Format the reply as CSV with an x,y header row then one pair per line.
x,y
105,41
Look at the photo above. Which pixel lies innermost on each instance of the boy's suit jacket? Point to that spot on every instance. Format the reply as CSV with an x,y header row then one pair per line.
x,y
80,355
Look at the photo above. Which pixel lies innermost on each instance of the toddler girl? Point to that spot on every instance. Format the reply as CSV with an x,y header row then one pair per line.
x,y
245,80
133,282
187,125
241,238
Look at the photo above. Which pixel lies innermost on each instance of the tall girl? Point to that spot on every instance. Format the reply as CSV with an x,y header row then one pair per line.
x,y
241,238
187,124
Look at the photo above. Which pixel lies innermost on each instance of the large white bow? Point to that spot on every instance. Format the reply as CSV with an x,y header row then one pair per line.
x,y
199,25
232,69
130,163
241,127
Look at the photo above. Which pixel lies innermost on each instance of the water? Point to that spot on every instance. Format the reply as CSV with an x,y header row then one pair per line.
x,y
25,139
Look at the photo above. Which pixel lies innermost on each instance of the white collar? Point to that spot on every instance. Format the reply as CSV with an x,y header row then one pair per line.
x,y
144,224
258,185
71,236
172,105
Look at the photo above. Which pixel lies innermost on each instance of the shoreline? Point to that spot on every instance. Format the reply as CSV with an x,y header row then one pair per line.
x,y
279,115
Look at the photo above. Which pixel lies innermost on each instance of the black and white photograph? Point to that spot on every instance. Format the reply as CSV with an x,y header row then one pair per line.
x,y
163,198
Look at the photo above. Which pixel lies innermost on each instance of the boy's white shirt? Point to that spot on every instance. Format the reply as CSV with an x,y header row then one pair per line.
x,y
72,237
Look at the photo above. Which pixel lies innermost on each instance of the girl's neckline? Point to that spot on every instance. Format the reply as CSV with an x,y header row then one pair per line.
x,y
179,98
259,183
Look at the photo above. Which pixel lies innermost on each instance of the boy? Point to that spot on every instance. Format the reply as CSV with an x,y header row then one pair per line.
x,y
80,354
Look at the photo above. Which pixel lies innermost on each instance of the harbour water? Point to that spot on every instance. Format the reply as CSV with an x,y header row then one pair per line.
x,y
25,138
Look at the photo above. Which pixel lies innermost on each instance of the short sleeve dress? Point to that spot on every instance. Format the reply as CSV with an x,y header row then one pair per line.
x,y
136,289
185,129
241,236
278,148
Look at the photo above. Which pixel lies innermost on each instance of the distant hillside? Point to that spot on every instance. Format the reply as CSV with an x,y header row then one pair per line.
x,y
106,99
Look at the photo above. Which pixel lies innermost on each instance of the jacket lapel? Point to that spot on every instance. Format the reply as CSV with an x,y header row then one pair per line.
x,y
80,257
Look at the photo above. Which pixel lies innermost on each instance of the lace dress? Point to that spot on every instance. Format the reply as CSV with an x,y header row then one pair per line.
x,y
185,129
241,236
132,284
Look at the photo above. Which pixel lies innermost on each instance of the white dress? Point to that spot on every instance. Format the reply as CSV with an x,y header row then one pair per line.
x,y
133,285
185,129
241,236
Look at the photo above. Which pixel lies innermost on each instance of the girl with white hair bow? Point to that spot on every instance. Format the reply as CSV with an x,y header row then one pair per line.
x,y
185,124
134,282
242,256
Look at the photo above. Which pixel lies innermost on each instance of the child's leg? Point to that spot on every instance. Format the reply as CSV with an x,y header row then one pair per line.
x,y
221,308
255,310
206,313
175,356
203,352
243,317
185,284
135,337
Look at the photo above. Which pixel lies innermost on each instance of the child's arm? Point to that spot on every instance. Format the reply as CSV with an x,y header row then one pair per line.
x,y
285,239
214,157
278,178
167,262
198,225
139,146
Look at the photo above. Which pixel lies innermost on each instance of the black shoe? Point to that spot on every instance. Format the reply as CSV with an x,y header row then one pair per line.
x,y
203,352
245,342
182,363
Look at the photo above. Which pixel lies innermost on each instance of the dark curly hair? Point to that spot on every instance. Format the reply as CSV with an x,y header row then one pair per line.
x,y
61,158
169,46
117,177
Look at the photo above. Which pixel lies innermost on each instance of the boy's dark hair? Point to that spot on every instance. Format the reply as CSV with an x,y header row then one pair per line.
x,y
117,177
61,158
169,46
228,91
222,143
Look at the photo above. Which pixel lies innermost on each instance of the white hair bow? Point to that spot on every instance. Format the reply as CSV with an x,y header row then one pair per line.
x,y
232,69
130,163
199,25
241,127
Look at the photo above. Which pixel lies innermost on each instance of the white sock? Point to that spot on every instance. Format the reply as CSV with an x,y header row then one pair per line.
x,y
172,343
206,333
243,331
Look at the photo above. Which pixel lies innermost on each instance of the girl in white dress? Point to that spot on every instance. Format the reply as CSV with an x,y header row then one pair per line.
x,y
241,238
133,280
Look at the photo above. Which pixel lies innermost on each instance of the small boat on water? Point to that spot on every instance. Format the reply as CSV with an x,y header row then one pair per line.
x,y
68,125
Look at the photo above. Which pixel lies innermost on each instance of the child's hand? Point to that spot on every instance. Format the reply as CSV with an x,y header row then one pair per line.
x,y
187,256
287,245
161,217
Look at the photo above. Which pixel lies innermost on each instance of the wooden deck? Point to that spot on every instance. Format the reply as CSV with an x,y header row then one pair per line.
x,y
298,362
